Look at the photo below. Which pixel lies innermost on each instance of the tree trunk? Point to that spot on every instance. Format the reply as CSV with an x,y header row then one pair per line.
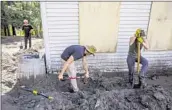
x,y
23,5
41,33
38,32
13,30
8,30
5,32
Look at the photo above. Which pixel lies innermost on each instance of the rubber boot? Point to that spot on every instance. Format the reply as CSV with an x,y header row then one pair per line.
x,y
130,80
143,82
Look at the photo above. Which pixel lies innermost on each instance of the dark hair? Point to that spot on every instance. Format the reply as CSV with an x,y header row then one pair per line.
x,y
142,33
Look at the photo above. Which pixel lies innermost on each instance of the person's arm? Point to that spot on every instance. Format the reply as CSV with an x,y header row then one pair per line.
x,y
22,28
145,44
66,64
84,62
31,28
132,39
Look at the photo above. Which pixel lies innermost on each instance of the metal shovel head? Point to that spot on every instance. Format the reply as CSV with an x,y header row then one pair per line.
x,y
136,81
21,47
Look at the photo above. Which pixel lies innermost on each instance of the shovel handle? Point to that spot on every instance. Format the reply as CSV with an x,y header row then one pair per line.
x,y
138,57
69,78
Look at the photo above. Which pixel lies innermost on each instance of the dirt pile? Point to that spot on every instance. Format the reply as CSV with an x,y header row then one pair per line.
x,y
9,68
10,59
101,93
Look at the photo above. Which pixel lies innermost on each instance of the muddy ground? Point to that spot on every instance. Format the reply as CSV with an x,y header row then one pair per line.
x,y
104,91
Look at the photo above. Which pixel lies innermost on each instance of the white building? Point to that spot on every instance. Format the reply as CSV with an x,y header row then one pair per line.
x,y
108,26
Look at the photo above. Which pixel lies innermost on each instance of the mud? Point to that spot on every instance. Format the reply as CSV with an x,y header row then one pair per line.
x,y
101,93
104,91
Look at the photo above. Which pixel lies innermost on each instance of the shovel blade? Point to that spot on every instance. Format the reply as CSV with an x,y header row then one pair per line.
x,y
136,82
21,47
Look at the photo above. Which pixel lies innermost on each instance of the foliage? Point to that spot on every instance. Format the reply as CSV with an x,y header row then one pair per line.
x,y
14,12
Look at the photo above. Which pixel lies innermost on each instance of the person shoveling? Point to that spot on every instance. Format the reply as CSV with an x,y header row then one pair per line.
x,y
135,45
69,56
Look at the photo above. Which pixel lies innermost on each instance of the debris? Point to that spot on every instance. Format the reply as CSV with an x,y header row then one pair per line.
x,y
159,96
95,95
154,77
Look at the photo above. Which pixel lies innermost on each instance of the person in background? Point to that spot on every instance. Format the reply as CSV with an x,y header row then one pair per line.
x,y
132,56
27,31
69,56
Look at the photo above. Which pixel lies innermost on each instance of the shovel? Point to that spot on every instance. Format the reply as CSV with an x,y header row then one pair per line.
x,y
136,81
69,78
35,92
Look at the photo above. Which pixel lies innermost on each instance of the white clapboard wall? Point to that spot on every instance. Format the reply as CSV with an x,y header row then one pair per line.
x,y
30,67
61,25
60,28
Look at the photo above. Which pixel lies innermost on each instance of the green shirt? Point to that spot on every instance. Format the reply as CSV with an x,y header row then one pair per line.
x,y
133,49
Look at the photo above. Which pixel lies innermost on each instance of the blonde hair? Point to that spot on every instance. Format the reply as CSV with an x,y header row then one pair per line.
x,y
25,20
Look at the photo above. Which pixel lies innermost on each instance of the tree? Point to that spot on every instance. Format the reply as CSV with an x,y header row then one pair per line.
x,y
14,12
4,18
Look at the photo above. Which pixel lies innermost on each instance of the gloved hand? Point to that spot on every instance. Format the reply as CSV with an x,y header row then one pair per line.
x,y
140,39
138,31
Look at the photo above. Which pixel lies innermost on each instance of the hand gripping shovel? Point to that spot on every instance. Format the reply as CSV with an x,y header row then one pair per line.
x,y
136,81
